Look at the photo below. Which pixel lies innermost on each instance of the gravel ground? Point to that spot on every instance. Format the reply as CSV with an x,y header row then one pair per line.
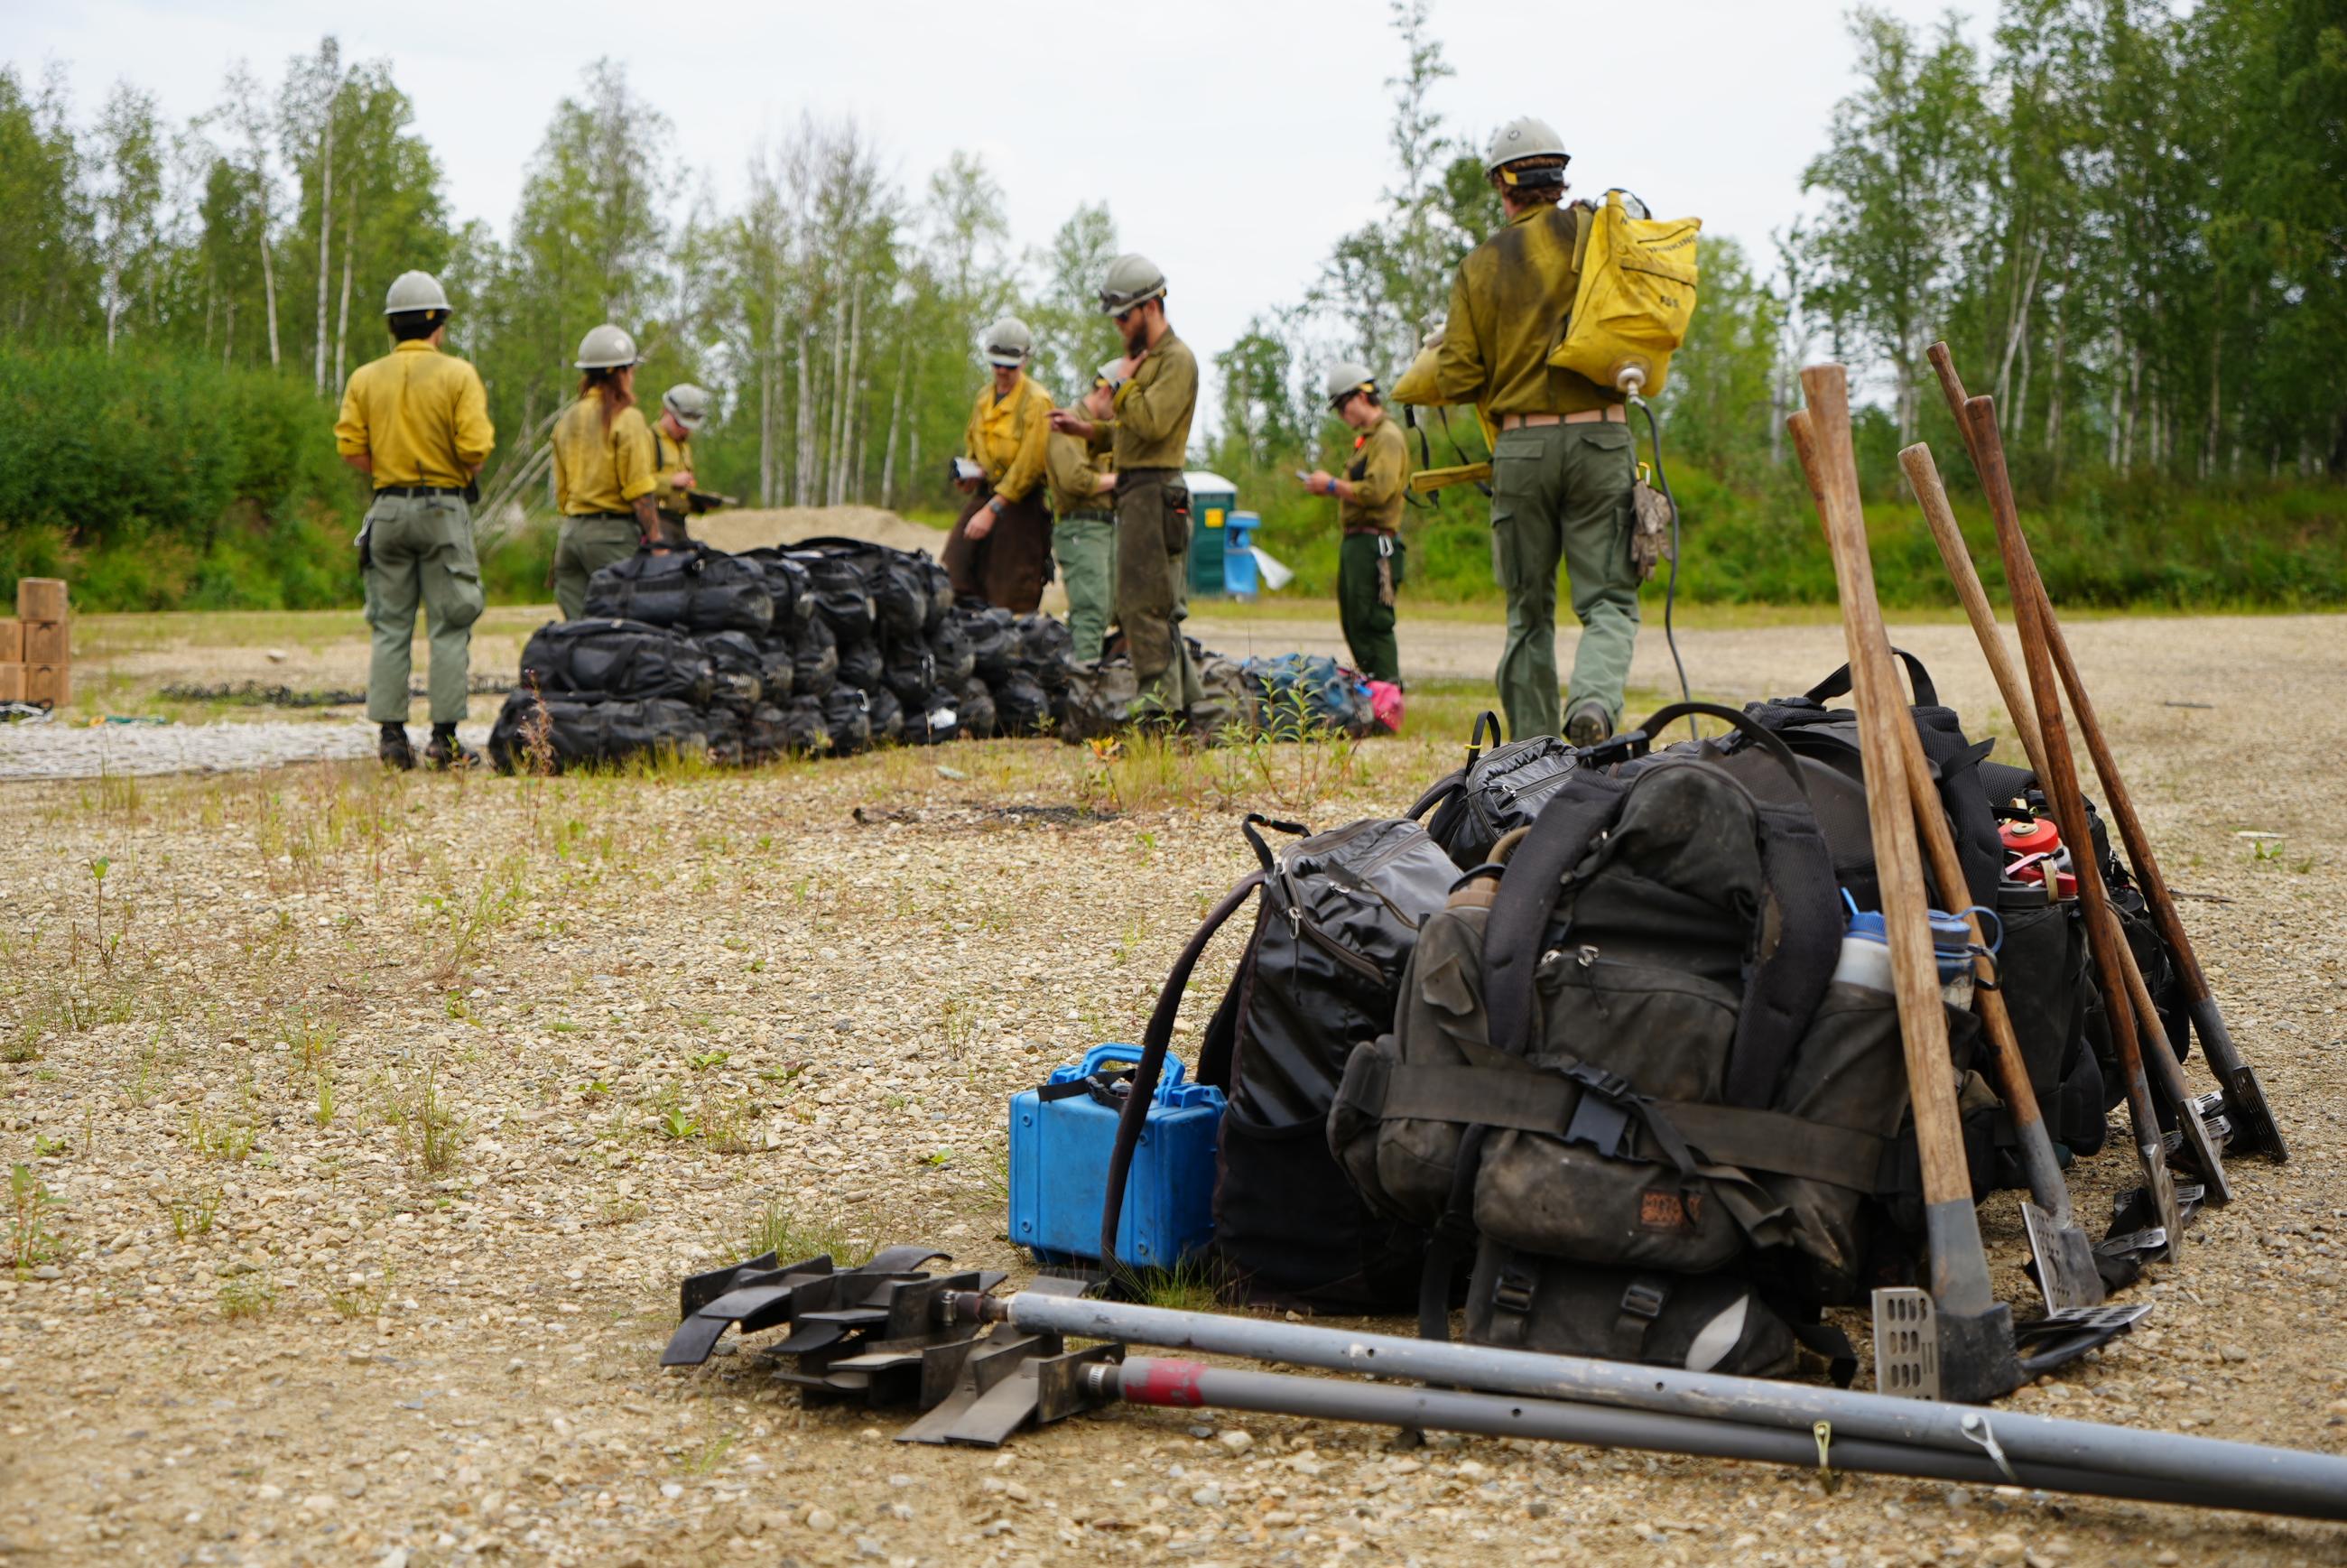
x,y
381,1116
64,751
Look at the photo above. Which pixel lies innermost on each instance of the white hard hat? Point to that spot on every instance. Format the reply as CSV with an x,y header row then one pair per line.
x,y
687,403
413,292
606,347
1007,343
1348,377
1522,137
1133,278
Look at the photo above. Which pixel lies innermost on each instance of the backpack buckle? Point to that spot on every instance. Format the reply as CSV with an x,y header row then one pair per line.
x,y
1513,1290
1598,1123
1643,1299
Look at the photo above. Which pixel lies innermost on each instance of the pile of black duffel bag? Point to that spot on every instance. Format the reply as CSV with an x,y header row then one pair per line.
x,y
826,648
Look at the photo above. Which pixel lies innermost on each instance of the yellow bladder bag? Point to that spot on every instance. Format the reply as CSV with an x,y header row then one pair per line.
x,y
1637,296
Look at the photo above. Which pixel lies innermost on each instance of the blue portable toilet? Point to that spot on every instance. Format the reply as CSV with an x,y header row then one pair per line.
x,y
1239,575
1212,498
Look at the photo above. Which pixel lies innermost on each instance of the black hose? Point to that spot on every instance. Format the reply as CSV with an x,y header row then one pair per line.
x,y
1671,584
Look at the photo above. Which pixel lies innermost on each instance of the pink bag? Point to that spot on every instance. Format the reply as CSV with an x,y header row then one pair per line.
x,y
1386,701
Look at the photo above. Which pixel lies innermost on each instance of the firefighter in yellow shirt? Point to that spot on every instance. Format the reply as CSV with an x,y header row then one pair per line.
x,y
1369,496
602,470
1562,465
1001,547
682,408
416,423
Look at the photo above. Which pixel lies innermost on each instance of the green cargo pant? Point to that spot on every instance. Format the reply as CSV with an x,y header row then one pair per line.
x,y
1152,584
1369,569
420,547
1562,492
1085,546
585,547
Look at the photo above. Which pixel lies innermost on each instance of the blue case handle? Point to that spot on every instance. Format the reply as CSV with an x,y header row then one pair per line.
x,y
1119,1052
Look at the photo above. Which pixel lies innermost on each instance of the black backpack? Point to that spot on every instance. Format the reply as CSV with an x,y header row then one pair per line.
x,y
694,589
1620,1066
1495,794
898,582
1337,916
617,659
815,659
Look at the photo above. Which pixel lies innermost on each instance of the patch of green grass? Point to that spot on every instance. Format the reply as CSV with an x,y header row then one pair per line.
x,y
31,1238
792,1234
192,1214
247,1296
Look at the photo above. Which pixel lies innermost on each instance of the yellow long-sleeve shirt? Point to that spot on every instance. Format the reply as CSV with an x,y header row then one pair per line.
x,y
1006,436
1380,471
420,416
599,470
1509,304
1151,427
672,455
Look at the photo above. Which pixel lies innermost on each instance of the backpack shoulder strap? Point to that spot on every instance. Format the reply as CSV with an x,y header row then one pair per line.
x,y
1154,1043
1796,943
1559,837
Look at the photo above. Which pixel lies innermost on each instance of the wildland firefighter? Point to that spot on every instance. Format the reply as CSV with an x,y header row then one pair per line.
x,y
603,478
1369,497
1154,395
1000,547
1562,464
416,423
1083,529
682,408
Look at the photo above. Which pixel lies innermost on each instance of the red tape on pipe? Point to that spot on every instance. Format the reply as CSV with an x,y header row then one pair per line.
x,y
1169,1383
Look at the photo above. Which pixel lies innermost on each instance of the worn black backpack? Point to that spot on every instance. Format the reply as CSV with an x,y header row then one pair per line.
x,y
1621,1071
1493,794
617,659
1337,916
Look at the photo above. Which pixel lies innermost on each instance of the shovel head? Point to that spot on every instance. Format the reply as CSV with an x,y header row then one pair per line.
x,y
2066,1274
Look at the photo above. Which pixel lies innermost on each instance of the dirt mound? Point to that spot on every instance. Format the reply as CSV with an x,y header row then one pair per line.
x,y
749,528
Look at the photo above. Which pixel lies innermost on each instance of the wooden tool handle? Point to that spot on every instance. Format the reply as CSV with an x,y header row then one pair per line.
x,y
1922,1025
1924,476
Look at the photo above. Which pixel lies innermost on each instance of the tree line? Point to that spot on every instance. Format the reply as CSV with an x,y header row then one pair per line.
x,y
2129,218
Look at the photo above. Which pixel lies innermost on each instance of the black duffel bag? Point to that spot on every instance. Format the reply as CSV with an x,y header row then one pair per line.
x,y
1021,706
537,732
860,664
979,719
815,659
693,589
847,720
618,659
895,580
840,596
740,663
993,636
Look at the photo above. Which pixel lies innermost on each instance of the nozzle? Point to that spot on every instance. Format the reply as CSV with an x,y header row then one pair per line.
x,y
1631,380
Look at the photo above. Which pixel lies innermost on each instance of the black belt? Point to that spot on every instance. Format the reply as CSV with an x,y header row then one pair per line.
x,y
1088,517
412,490
593,516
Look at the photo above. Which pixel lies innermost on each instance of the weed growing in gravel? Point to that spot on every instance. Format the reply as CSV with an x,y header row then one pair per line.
x,y
793,1236
956,1024
31,1240
426,1123
323,1113
726,1124
1196,1284
678,1124
356,1299
98,867
231,1142
192,1215
245,1295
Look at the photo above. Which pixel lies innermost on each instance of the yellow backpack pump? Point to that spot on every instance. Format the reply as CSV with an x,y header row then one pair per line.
x,y
1637,296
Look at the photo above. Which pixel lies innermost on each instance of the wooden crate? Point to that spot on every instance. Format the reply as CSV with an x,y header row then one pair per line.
x,y
40,598
46,642
51,683
12,640
11,682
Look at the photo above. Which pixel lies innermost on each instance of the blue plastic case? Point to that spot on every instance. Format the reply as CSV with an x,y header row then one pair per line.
x,y
1059,1150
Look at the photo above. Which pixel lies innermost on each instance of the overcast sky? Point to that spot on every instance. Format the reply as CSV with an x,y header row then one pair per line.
x,y
1233,141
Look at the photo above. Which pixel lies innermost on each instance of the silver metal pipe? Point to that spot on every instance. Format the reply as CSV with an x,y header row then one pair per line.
x,y
2282,1481
1190,1384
